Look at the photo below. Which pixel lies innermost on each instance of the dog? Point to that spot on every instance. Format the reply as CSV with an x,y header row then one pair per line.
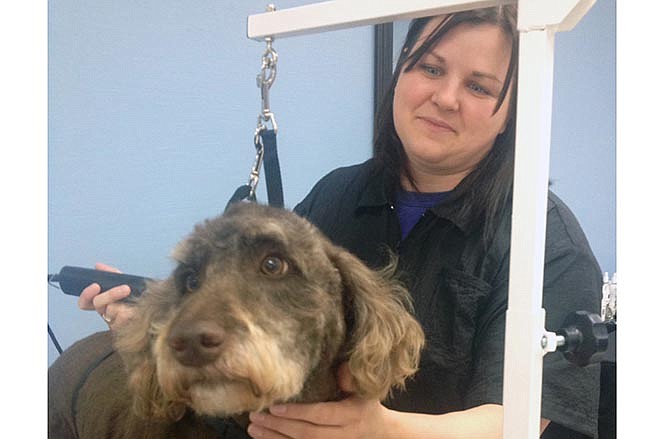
x,y
261,309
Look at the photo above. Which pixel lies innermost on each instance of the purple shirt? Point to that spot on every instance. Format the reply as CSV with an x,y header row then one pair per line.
x,y
410,207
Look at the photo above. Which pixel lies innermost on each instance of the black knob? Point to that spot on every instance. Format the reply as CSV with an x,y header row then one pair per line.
x,y
586,338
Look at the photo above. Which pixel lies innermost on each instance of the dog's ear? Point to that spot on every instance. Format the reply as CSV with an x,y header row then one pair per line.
x,y
384,341
134,342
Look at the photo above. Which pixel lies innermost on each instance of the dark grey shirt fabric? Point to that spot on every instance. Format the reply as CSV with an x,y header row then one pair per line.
x,y
460,287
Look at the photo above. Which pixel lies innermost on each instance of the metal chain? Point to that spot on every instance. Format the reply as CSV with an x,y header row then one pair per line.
x,y
264,81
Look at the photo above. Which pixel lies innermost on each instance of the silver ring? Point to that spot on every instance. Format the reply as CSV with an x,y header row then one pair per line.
x,y
105,318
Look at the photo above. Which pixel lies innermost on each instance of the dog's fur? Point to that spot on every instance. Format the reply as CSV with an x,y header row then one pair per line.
x,y
261,309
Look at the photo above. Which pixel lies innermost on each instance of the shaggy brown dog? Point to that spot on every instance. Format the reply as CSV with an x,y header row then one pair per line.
x,y
261,309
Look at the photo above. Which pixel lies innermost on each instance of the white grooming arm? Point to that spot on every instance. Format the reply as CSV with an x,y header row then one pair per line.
x,y
538,21
342,14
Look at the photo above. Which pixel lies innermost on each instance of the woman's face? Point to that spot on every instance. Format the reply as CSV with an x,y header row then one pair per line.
x,y
443,107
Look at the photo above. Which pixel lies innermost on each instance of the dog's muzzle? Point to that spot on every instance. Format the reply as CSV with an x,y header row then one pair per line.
x,y
196,344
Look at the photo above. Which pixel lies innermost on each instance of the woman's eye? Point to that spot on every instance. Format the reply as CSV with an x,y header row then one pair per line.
x,y
479,89
431,70
274,266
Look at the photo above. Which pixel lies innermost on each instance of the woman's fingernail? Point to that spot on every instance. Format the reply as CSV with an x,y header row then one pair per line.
x,y
254,431
278,409
256,417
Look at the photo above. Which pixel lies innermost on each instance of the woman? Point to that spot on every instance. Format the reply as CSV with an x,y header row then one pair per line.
x,y
437,192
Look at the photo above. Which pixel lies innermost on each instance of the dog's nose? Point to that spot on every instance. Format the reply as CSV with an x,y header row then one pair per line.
x,y
196,344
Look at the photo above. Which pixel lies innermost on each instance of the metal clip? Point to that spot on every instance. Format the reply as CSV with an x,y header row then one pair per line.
x,y
265,79
255,173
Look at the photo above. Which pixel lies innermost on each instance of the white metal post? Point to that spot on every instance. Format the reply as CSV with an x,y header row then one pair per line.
x,y
522,386
538,21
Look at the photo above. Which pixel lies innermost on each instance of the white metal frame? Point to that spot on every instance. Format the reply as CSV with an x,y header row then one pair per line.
x,y
538,21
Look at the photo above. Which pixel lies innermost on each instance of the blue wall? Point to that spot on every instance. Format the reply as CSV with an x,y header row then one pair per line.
x,y
153,105
584,126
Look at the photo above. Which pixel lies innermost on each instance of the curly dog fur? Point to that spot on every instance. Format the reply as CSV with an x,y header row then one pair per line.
x,y
261,309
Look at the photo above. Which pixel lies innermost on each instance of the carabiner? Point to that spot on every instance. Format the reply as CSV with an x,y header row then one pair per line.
x,y
254,175
264,81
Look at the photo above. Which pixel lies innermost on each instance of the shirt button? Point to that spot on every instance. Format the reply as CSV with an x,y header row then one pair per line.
x,y
392,207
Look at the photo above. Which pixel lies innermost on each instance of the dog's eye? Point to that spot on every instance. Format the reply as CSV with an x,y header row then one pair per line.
x,y
192,282
274,266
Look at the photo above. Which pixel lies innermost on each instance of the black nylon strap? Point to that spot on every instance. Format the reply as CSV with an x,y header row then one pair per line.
x,y
241,194
273,182
272,171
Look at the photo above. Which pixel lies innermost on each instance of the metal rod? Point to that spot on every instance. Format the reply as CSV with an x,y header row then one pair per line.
x,y
522,385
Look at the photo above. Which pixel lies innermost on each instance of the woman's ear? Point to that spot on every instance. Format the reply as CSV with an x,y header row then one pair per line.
x,y
384,340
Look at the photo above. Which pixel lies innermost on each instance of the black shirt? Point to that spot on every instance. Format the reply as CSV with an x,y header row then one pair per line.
x,y
459,286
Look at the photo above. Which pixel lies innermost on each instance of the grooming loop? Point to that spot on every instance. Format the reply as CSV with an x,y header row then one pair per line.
x,y
264,81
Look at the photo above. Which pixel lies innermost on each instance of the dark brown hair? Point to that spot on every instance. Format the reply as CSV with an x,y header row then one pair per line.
x,y
488,187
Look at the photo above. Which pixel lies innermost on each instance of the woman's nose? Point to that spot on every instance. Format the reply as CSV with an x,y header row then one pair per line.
x,y
446,95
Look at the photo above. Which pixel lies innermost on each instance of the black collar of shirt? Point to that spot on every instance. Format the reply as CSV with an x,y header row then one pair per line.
x,y
380,189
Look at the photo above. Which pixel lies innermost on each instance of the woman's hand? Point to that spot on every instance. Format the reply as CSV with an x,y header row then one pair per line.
x,y
350,418
107,303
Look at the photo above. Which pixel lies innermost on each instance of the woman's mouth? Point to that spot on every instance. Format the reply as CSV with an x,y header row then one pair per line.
x,y
436,124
